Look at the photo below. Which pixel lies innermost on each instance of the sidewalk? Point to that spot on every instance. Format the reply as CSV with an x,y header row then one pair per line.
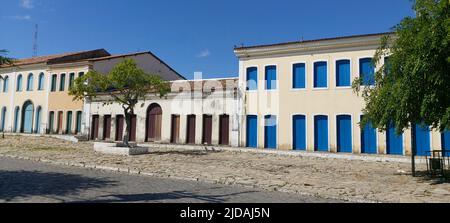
x,y
353,180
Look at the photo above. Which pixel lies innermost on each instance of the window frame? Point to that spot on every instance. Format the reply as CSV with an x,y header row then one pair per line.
x,y
336,70
328,74
292,76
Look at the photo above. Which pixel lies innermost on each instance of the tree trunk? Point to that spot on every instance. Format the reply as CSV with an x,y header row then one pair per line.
x,y
128,114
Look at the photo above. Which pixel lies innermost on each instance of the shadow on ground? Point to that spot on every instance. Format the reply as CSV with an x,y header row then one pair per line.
x,y
20,184
170,197
424,176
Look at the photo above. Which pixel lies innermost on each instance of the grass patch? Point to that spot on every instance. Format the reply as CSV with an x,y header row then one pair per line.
x,y
50,149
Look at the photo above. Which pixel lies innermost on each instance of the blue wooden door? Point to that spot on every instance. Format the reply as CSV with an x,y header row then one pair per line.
x,y
3,119
394,142
16,119
270,132
252,131
69,123
422,138
344,133
28,118
321,133
38,120
445,139
299,132
369,139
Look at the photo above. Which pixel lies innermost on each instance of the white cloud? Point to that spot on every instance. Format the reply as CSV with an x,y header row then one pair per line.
x,y
19,17
28,4
204,53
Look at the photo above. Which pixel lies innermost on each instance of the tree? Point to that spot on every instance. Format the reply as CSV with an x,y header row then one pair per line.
x,y
126,84
4,59
414,85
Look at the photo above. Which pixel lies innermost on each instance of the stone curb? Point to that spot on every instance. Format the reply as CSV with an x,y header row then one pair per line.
x,y
135,172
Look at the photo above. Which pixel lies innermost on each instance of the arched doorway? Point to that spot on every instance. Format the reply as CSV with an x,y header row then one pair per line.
x,y
27,117
153,122
38,120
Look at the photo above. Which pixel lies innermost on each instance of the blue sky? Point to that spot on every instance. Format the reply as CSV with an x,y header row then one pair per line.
x,y
190,35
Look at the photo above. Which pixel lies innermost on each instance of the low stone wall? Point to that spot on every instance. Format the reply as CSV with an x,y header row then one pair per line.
x,y
113,149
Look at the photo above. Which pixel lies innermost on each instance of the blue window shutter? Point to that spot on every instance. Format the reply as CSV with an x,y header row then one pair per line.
x,y
252,78
271,77
41,82
394,142
320,75
445,139
252,131
299,132
321,133
19,83
270,132
299,76
344,133
368,139
367,71
422,138
343,73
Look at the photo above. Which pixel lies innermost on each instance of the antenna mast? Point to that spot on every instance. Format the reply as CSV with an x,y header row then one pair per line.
x,y
35,41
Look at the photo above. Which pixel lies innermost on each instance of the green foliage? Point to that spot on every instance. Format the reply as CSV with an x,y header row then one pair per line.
x,y
3,58
126,84
415,86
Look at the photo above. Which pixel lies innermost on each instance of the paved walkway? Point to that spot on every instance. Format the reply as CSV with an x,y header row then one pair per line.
x,y
327,178
28,181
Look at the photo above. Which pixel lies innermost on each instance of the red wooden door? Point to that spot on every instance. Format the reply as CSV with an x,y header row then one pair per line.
x,y
119,127
175,129
190,137
224,130
94,127
107,127
207,129
60,122
154,122
133,128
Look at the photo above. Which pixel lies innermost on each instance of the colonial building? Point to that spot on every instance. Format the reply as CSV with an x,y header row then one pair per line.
x,y
299,97
204,112
34,91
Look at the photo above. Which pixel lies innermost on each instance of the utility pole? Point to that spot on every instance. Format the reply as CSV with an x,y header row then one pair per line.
x,y
35,41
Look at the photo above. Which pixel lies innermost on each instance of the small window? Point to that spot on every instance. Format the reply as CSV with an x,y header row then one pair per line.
x,y
343,73
271,77
19,83
71,79
30,81
299,76
320,75
62,82
41,82
6,84
367,71
80,74
54,79
252,78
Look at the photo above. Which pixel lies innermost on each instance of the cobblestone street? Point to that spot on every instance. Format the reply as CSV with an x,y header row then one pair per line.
x,y
318,177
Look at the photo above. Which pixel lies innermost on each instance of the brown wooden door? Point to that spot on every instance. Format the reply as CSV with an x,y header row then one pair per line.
x,y
133,128
190,136
60,122
154,122
107,127
224,130
119,127
175,129
94,127
207,129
